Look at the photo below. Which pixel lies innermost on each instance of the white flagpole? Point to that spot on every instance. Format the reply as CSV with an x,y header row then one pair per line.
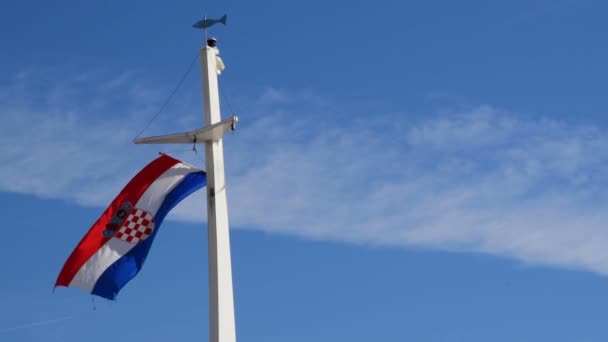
x,y
221,301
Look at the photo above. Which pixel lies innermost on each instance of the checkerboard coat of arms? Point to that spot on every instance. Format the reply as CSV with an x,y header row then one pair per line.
x,y
130,224
138,225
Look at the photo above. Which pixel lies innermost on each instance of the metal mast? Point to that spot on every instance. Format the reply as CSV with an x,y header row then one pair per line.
x,y
221,300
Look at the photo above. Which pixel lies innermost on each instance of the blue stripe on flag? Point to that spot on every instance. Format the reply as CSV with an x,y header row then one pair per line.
x,y
127,267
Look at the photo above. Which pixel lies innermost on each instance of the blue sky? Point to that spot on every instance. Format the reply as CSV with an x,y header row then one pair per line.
x,y
429,171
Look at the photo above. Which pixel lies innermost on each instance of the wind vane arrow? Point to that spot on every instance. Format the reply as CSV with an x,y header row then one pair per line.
x,y
205,23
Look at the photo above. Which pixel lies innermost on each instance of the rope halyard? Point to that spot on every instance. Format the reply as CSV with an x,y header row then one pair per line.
x,y
168,100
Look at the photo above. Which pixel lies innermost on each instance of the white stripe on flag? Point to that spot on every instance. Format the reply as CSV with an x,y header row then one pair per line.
x,y
150,201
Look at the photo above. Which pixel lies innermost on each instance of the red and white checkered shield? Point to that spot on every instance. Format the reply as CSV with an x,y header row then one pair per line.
x,y
138,225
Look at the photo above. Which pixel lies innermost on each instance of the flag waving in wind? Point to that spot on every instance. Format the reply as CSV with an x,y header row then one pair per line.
x,y
114,249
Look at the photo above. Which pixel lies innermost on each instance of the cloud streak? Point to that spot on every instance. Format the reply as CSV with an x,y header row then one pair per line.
x,y
480,179
35,324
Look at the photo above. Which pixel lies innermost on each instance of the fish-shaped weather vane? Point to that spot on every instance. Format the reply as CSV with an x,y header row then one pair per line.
x,y
206,22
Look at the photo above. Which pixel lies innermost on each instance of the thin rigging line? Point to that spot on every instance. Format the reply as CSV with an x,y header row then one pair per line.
x,y
170,96
225,98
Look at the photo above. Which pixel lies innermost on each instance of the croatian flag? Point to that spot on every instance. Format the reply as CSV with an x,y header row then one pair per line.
x,y
115,248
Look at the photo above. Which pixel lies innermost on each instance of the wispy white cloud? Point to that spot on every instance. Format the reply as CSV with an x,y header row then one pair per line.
x,y
71,137
480,179
35,324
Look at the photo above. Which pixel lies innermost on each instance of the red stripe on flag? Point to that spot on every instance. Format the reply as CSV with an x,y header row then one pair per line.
x,y
94,238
